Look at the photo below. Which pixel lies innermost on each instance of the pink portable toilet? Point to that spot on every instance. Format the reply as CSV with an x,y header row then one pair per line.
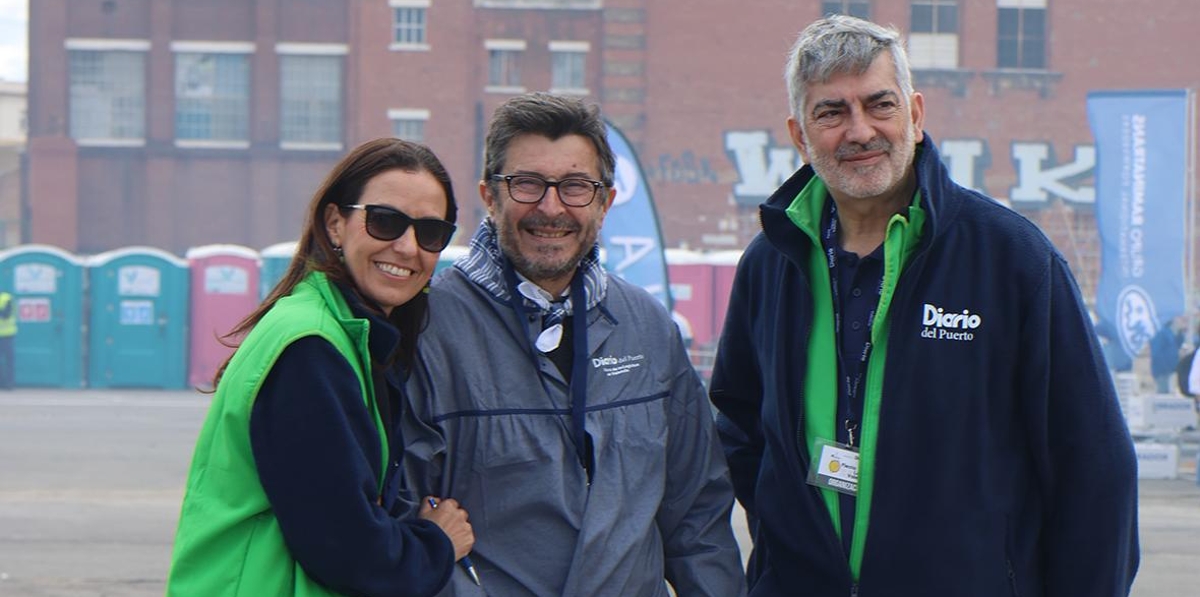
x,y
724,265
224,291
691,279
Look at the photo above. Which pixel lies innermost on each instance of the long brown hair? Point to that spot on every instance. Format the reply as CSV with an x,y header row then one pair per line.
x,y
315,252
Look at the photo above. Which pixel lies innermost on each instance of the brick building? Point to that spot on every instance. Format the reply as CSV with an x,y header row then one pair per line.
x,y
176,123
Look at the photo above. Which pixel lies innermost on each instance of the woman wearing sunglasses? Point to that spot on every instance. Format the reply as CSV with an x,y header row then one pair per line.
x,y
295,484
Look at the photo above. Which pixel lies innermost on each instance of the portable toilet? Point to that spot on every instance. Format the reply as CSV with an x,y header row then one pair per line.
x,y
224,290
449,255
47,287
724,266
691,279
139,317
274,262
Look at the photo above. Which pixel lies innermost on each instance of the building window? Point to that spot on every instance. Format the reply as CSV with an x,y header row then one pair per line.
x,y
854,8
212,97
541,4
409,124
409,24
933,37
108,94
568,67
504,65
1021,34
310,110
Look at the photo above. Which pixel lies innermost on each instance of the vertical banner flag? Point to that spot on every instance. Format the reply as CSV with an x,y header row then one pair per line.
x,y
1141,209
630,235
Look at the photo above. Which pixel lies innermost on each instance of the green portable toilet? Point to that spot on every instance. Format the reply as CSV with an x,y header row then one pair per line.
x,y
47,286
274,261
139,318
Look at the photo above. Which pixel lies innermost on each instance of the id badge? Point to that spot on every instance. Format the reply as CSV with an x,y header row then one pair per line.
x,y
836,467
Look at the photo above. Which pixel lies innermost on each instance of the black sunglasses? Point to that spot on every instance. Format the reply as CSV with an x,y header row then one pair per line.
x,y
388,223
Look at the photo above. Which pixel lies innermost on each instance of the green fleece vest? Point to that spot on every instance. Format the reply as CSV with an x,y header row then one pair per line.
x,y
229,542
820,388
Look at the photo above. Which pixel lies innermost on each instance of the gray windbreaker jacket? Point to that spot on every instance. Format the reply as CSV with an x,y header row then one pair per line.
x,y
490,425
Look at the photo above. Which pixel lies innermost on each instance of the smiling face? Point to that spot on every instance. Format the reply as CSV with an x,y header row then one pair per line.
x,y
859,132
390,273
546,240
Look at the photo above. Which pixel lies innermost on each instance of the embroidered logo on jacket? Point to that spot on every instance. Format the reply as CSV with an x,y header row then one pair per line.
x,y
942,325
618,365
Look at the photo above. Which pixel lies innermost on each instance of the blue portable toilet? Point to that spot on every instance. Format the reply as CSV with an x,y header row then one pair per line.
x,y
47,287
449,255
139,319
275,260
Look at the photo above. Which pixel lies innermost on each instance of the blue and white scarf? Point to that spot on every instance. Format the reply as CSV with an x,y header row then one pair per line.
x,y
484,265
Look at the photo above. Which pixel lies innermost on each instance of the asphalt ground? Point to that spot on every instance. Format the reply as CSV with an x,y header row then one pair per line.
x,y
91,482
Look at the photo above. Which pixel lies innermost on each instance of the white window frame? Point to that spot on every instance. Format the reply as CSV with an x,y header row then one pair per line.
x,y
111,45
409,115
396,46
937,49
311,49
581,48
1029,4
517,47
844,5
541,4
217,47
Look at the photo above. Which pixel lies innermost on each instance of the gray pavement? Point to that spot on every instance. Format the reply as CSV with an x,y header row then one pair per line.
x,y
91,481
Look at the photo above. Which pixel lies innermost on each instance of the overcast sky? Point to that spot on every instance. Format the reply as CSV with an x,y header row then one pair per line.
x,y
13,47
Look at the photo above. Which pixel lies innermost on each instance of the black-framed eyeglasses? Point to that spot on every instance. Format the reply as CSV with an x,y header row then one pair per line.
x,y
527,188
389,223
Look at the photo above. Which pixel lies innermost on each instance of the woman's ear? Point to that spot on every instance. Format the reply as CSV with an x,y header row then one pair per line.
x,y
334,223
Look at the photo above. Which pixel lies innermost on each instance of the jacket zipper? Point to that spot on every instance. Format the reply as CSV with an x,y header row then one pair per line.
x,y
1012,577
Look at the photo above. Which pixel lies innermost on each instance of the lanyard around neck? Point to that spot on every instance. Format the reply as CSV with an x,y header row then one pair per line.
x,y
852,374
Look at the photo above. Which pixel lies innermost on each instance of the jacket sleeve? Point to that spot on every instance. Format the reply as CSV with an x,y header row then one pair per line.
x,y
314,444
425,449
1082,449
701,554
736,390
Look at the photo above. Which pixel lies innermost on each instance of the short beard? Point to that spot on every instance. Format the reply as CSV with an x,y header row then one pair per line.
x,y
542,269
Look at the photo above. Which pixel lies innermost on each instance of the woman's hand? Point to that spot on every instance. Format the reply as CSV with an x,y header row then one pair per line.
x,y
452,519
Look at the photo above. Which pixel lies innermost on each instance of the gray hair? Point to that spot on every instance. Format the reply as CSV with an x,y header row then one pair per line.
x,y
840,44
551,116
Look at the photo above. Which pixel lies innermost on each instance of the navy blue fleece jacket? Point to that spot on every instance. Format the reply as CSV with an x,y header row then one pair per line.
x,y
1002,463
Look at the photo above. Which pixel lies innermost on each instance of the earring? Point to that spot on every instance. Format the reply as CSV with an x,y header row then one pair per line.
x,y
341,255
425,290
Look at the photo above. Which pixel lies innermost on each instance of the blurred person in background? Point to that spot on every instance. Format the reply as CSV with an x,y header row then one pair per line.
x,y
8,333
1110,346
1165,352
912,398
295,486
557,402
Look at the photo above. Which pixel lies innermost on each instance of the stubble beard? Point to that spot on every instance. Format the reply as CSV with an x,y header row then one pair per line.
x,y
867,181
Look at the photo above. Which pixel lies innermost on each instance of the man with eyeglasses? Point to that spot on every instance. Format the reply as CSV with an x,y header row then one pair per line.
x,y
556,403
